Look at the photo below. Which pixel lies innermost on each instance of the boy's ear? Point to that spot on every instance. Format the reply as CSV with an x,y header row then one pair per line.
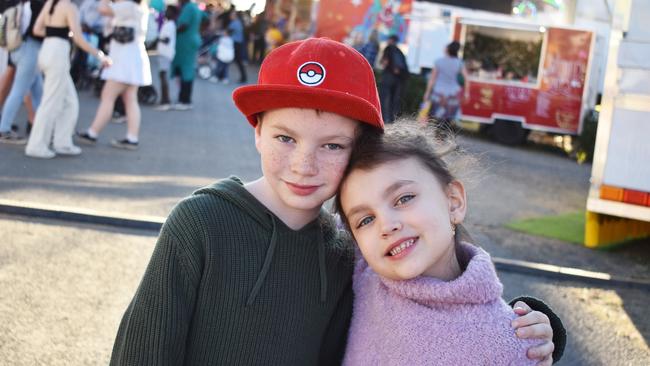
x,y
258,134
457,201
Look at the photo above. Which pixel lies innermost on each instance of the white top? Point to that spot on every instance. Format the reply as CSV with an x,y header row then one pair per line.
x,y
225,49
130,14
168,30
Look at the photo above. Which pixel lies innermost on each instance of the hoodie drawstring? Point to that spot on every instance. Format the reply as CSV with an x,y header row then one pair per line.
x,y
266,265
269,257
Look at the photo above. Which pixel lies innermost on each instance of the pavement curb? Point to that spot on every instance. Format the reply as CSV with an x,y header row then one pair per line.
x,y
154,223
86,216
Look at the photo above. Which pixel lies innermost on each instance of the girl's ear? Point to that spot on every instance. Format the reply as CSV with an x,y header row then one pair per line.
x,y
457,201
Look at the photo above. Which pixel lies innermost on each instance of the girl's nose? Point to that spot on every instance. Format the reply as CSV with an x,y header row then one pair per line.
x,y
390,226
304,163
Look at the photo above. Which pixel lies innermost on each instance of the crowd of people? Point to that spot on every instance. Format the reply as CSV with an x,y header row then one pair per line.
x,y
111,40
117,36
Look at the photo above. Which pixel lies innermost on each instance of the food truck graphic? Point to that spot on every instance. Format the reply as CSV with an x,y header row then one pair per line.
x,y
525,77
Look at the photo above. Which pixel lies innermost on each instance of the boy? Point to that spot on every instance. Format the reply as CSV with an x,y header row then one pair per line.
x,y
252,274
166,48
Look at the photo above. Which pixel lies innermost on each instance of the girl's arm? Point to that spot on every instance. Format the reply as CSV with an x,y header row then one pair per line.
x,y
77,35
536,320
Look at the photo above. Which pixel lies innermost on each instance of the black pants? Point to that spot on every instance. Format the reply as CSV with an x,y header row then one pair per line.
x,y
259,49
239,60
390,92
185,95
164,88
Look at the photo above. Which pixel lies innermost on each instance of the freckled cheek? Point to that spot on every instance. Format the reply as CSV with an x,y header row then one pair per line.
x,y
274,159
334,165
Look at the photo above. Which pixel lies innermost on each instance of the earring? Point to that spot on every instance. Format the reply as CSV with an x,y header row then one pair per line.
x,y
453,228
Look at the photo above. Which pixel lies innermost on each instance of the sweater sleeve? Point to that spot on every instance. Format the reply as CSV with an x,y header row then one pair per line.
x,y
336,335
559,332
154,328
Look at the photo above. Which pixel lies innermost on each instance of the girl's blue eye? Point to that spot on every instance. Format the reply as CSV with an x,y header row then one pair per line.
x,y
334,146
365,221
284,138
405,198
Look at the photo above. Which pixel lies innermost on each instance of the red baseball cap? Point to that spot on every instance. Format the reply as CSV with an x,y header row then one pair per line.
x,y
316,73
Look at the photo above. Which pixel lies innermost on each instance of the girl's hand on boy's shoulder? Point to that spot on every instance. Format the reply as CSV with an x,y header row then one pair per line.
x,y
534,324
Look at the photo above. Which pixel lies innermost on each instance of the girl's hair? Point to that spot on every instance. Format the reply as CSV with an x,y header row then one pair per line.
x,y
403,140
453,48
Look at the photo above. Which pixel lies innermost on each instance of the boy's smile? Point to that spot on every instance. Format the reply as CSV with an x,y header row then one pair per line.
x,y
304,154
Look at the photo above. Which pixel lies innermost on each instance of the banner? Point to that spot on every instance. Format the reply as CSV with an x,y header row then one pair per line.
x,y
352,21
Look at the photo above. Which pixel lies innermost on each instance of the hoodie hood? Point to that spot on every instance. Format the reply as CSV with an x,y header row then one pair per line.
x,y
232,189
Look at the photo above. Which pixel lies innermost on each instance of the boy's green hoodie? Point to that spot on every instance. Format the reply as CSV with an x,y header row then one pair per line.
x,y
230,284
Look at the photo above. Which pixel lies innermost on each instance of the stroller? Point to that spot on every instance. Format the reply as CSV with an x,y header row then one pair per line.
x,y
205,62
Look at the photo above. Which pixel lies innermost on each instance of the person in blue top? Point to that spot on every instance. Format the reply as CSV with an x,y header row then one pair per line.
x,y
188,41
236,28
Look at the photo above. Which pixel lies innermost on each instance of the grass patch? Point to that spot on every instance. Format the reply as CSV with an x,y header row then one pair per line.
x,y
568,227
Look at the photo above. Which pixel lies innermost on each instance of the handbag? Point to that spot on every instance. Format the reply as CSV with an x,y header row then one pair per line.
x,y
123,34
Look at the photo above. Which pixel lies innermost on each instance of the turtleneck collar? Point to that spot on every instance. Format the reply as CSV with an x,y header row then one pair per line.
x,y
478,284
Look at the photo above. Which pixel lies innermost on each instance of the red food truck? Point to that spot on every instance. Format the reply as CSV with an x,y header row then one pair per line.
x,y
525,77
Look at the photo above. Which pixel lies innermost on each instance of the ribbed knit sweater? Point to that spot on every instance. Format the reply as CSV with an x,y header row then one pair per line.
x,y
229,283
427,321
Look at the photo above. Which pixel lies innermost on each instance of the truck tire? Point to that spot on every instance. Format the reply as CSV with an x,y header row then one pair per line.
x,y
508,132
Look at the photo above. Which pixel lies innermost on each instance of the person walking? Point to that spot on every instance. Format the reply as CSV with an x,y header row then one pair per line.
x,y
188,41
129,71
225,55
393,79
27,78
444,86
236,28
57,115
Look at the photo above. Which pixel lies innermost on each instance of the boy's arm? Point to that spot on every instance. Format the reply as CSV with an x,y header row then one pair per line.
x,y
154,328
559,332
336,335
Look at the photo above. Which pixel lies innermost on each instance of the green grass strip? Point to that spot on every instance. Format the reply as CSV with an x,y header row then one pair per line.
x,y
567,227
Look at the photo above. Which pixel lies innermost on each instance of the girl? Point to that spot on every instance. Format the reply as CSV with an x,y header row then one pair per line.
x,y
130,70
423,293
57,115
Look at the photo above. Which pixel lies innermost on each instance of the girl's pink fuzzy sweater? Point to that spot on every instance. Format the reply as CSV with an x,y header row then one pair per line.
x,y
426,321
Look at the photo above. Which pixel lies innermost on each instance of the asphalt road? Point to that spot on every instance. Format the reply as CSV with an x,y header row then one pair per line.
x,y
65,286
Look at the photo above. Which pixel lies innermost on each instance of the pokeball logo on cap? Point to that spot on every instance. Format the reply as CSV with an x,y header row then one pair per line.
x,y
311,73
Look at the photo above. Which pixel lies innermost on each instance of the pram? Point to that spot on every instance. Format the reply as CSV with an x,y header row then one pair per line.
x,y
205,62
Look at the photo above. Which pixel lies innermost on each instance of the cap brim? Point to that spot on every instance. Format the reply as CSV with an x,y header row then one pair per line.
x,y
254,99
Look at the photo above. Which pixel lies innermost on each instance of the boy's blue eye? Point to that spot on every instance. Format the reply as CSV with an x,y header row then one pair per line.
x,y
405,198
365,221
334,146
284,138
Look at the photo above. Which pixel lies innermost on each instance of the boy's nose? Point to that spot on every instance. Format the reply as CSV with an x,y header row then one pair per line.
x,y
304,163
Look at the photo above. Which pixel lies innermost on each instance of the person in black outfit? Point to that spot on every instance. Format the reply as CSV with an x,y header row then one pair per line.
x,y
393,79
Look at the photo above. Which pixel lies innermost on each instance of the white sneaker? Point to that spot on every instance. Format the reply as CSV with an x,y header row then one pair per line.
x,y
43,154
68,150
182,107
163,107
225,81
213,79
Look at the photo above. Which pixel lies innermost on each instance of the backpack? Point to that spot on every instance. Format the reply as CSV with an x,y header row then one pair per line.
x,y
10,35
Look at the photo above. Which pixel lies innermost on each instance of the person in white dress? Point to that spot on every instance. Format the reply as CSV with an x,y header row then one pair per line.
x,y
130,70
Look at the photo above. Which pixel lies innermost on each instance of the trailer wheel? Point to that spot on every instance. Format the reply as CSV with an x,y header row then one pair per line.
x,y
508,132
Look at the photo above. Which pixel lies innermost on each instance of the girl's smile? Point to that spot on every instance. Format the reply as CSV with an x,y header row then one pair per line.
x,y
401,217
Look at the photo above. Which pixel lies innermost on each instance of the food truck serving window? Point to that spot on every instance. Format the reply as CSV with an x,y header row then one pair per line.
x,y
500,54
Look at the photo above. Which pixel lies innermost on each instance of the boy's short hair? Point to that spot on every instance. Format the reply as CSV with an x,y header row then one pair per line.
x,y
316,73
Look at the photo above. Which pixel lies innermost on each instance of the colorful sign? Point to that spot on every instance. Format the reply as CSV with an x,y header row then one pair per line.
x,y
353,20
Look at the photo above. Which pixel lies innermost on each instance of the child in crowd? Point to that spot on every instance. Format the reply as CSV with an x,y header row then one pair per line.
x,y
424,294
166,48
225,55
254,273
